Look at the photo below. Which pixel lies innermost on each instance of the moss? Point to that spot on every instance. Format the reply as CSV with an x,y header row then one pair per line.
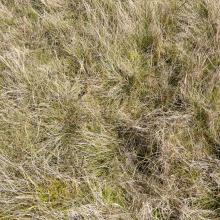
x,y
114,195
32,15
134,56
157,215
53,193
59,194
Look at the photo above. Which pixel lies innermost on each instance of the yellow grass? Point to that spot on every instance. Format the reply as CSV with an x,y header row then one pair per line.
x,y
110,109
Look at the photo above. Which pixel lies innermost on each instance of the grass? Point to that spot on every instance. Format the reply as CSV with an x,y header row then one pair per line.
x,y
109,109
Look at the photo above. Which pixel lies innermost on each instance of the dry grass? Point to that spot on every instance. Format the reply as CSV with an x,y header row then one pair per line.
x,y
110,109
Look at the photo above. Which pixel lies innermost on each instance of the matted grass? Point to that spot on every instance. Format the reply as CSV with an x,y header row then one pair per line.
x,y
110,109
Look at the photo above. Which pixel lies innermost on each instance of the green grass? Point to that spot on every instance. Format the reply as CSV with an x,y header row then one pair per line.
x,y
109,109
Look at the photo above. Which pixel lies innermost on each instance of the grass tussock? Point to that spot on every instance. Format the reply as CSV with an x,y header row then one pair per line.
x,y
109,109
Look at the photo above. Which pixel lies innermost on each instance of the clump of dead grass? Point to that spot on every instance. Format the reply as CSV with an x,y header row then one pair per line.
x,y
109,109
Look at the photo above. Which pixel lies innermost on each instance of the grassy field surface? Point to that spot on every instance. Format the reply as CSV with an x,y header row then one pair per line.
x,y
110,109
